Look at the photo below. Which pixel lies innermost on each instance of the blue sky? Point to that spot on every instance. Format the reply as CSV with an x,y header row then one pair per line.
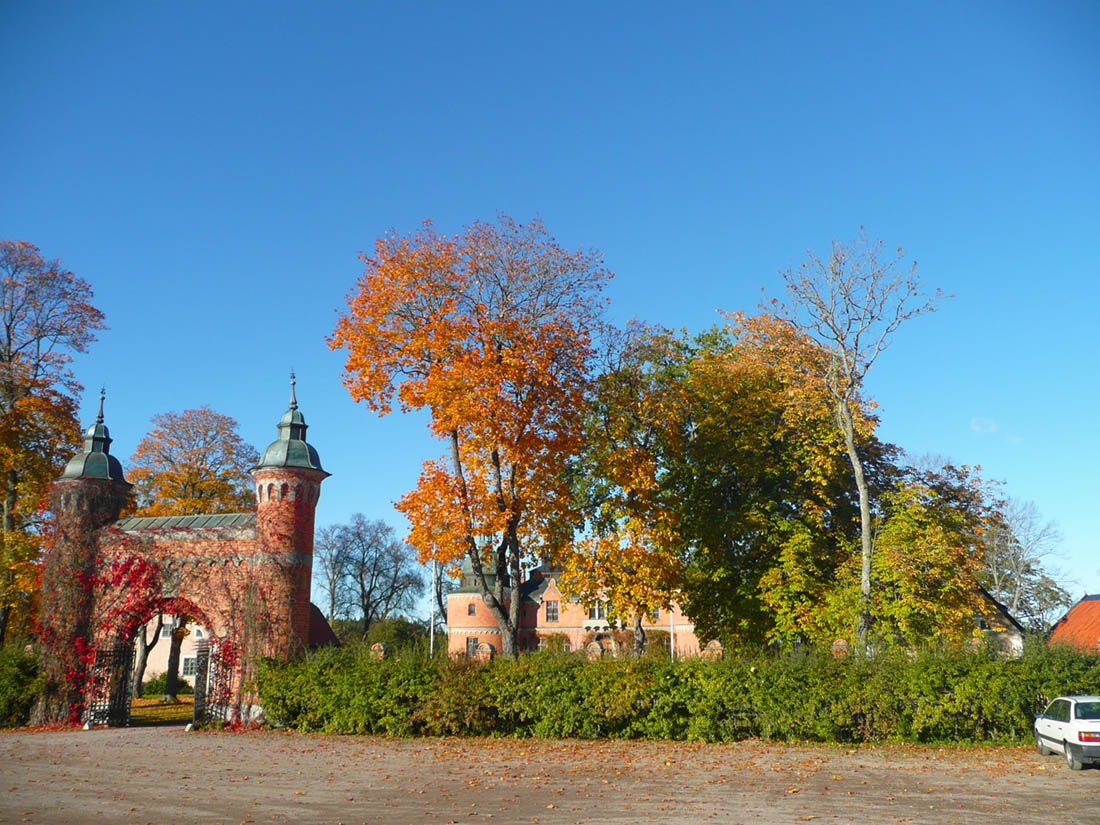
x,y
213,169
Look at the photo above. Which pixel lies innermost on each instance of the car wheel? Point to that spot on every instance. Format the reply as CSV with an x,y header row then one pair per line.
x,y
1039,746
1072,762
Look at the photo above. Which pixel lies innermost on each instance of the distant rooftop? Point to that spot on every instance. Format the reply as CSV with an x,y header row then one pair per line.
x,y
170,522
1080,627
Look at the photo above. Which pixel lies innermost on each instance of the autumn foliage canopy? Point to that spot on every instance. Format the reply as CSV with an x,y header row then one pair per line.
x,y
192,462
490,332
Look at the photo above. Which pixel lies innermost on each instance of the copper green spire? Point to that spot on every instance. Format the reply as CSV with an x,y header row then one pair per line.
x,y
290,449
95,460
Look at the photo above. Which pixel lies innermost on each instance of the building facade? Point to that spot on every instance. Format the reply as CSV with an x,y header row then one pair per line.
x,y
550,619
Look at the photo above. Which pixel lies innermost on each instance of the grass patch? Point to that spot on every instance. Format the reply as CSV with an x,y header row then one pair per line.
x,y
153,711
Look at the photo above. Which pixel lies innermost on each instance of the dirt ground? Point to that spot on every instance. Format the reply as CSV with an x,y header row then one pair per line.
x,y
164,775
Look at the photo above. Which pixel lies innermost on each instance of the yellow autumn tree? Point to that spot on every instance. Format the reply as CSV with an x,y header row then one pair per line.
x,y
929,554
192,462
851,302
490,332
798,522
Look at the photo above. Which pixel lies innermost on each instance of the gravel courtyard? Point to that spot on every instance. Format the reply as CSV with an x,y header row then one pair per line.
x,y
164,775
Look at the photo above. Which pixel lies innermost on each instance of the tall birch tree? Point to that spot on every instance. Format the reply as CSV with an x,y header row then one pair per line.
x,y
852,302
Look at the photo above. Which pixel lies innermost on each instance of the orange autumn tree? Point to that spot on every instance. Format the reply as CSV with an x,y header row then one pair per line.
x,y
47,317
192,462
628,552
490,332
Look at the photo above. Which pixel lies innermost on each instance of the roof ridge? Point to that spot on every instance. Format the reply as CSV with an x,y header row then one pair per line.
x,y
187,520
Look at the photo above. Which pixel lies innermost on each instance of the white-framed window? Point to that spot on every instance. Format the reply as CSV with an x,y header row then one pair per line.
x,y
598,611
471,609
199,633
471,646
552,611
188,666
166,629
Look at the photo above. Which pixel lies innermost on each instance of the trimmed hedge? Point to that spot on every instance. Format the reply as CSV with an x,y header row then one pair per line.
x,y
954,696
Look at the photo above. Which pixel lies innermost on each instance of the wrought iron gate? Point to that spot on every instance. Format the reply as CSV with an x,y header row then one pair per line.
x,y
213,684
202,676
109,689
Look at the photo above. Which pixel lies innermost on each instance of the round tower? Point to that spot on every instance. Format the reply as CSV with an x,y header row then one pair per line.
x,y
288,485
88,496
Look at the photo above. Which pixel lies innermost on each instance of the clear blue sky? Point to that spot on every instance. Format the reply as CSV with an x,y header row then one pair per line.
x,y
213,170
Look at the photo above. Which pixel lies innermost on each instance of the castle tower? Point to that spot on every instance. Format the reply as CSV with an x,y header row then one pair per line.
x,y
288,484
88,496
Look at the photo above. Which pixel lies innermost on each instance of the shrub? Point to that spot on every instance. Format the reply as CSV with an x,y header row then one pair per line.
x,y
156,686
19,685
955,695
398,633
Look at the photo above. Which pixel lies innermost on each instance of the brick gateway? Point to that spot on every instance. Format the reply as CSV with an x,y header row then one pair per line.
x,y
246,576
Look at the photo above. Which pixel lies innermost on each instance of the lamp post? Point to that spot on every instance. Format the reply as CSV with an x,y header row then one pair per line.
x,y
431,621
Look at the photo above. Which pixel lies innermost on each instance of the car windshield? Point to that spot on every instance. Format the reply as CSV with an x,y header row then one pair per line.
x,y
1088,710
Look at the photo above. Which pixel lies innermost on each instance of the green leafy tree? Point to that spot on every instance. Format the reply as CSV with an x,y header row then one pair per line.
x,y
928,555
762,483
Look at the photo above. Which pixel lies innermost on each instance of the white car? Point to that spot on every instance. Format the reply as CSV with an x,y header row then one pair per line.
x,y
1071,726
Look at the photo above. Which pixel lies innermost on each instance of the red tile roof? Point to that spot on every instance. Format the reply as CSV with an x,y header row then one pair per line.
x,y
1081,626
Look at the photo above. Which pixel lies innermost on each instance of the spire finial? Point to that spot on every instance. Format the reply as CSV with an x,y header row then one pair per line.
x,y
293,399
102,395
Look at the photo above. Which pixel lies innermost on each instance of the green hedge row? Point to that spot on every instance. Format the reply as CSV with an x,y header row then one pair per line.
x,y
960,696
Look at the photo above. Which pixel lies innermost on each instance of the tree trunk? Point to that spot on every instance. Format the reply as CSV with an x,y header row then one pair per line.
x,y
141,656
441,603
493,600
9,527
172,680
847,427
10,487
515,603
639,636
